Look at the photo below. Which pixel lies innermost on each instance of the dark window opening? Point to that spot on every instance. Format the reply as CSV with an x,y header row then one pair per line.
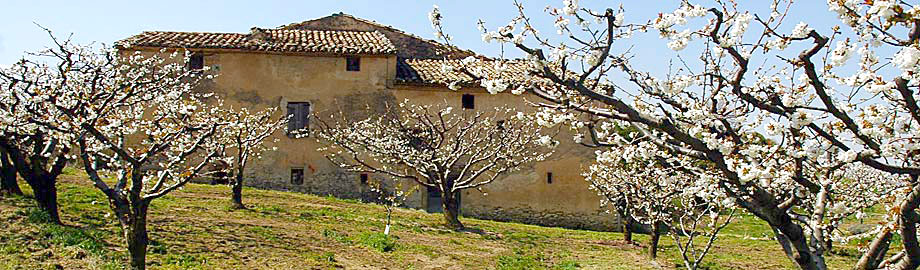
x,y
298,119
353,63
415,137
434,201
549,178
364,178
297,176
468,101
500,124
196,61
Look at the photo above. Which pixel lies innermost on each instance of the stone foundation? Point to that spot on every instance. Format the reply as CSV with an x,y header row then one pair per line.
x,y
347,186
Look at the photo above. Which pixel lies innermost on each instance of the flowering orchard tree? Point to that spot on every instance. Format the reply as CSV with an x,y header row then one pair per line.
x,y
684,200
33,139
775,114
245,133
144,126
392,194
134,118
436,147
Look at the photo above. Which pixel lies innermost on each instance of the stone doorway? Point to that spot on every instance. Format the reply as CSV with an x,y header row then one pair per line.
x,y
434,204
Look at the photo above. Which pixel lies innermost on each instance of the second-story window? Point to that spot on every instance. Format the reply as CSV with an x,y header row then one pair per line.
x,y
196,61
353,63
299,118
469,101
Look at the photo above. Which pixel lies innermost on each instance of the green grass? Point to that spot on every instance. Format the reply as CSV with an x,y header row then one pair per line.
x,y
378,241
194,229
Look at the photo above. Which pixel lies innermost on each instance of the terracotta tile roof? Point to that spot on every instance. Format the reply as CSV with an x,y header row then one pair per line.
x,y
407,45
432,72
270,40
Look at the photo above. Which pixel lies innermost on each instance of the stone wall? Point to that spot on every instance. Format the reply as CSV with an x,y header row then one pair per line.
x,y
258,81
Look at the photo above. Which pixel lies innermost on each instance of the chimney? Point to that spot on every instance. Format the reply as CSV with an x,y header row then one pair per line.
x,y
259,34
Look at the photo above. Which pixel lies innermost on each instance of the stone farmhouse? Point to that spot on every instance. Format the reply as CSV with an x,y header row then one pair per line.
x,y
344,63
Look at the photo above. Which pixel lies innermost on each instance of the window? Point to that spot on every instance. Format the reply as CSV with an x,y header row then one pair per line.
x,y
549,178
364,178
297,176
298,118
500,124
353,63
196,61
468,101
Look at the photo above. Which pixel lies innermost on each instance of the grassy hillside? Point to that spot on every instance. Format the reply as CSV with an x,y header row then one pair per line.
x,y
194,229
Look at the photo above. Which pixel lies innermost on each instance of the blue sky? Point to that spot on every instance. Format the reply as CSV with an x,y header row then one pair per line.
x,y
109,21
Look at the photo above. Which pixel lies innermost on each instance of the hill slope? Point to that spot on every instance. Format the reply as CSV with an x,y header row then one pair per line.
x,y
194,229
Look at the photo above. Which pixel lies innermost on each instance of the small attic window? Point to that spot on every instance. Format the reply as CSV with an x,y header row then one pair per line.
x,y
469,101
196,61
353,63
549,178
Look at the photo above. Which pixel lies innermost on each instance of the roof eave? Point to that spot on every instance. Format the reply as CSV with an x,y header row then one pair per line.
x,y
233,50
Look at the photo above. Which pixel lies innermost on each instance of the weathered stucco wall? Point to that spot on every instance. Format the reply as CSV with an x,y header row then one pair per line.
x,y
525,195
259,81
271,80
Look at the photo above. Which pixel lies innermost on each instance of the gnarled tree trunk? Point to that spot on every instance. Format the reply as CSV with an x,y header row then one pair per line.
x,y
451,209
35,170
908,228
627,230
653,241
133,221
45,191
236,201
876,252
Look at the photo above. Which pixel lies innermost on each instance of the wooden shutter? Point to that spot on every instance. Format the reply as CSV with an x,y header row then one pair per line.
x,y
305,123
299,113
293,120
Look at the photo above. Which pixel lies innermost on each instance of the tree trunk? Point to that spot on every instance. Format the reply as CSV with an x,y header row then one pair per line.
x,y
45,192
626,222
8,183
386,231
789,235
135,229
653,241
908,230
627,231
237,200
451,210
876,253
43,181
